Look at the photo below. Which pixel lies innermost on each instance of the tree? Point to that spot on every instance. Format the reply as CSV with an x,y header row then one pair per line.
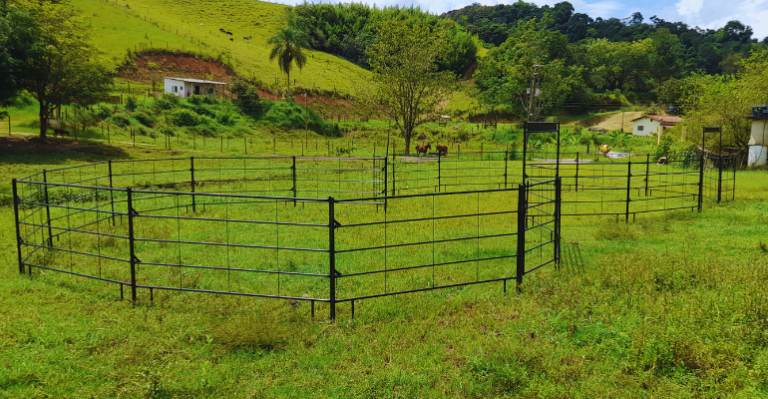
x,y
406,82
531,53
68,70
288,45
19,41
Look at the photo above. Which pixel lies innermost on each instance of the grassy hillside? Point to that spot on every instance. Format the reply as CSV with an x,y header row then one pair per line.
x,y
175,25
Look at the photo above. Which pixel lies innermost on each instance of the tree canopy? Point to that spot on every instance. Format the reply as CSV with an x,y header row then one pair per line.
x,y
65,68
407,84
288,48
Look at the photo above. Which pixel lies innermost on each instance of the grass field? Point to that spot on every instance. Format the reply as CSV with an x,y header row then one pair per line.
x,y
672,305
175,25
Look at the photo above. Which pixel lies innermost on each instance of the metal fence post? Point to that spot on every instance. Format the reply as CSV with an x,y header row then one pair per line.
x,y
394,178
733,188
647,171
719,177
701,181
18,232
577,172
522,210
47,207
629,187
192,181
131,243
558,203
111,193
293,172
439,173
385,182
506,158
332,256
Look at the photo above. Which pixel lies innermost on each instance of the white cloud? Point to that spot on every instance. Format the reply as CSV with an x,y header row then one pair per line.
x,y
713,14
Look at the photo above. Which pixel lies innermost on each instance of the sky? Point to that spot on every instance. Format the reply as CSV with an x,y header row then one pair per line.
x,y
706,14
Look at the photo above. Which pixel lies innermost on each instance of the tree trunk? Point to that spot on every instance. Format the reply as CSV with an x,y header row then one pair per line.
x,y
407,143
43,121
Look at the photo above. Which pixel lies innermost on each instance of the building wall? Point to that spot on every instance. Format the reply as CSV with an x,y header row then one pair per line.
x,y
649,126
759,134
171,83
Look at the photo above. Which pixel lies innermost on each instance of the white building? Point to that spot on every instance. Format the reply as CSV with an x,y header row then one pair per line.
x,y
758,142
186,87
646,125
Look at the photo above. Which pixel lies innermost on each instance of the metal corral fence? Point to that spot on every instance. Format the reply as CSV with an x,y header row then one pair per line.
x,y
593,184
278,227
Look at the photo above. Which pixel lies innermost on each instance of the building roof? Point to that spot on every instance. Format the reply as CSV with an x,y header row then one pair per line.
x,y
661,118
210,82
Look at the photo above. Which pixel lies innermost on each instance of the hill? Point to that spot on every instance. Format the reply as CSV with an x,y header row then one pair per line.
x,y
194,25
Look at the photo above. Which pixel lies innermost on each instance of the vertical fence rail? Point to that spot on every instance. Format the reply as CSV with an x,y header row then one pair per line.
x,y
47,208
131,243
522,225
558,201
629,188
18,232
192,182
332,257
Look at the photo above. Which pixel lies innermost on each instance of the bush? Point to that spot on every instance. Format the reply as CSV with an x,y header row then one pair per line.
x,y
102,111
144,119
195,99
226,118
184,117
247,97
120,120
289,115
203,111
131,103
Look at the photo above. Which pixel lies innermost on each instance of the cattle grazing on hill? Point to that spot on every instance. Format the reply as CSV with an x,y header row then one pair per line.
x,y
59,132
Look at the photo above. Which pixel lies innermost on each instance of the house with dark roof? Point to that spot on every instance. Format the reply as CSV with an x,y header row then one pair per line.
x,y
646,125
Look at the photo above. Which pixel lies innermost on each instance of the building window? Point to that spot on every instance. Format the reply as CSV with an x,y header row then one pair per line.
x,y
640,128
175,89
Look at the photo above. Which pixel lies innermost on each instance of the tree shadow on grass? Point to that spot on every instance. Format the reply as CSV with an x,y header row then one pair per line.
x,y
35,151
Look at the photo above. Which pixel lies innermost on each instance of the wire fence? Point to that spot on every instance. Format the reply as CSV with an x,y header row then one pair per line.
x,y
336,230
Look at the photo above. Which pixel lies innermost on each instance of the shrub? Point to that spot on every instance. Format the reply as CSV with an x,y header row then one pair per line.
x,y
102,111
195,99
144,119
289,115
203,111
184,117
247,97
131,103
120,120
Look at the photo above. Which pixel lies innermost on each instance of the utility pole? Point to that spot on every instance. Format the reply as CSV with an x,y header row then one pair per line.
x,y
533,91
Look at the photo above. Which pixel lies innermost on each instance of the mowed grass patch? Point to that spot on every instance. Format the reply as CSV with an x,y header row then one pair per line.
x,y
682,319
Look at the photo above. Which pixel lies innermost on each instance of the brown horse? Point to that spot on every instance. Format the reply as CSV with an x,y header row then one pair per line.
x,y
423,149
442,150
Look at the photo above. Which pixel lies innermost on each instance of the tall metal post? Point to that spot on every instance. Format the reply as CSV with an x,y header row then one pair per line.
x,y
111,193
439,173
332,256
18,232
522,210
558,203
293,172
733,186
192,181
47,207
385,182
647,171
629,187
577,172
506,157
131,243
719,177
394,179
701,181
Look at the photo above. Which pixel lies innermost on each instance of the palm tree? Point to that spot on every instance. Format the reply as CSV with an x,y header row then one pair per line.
x,y
288,46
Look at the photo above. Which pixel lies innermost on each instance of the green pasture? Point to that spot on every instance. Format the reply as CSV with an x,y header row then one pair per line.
x,y
671,305
142,24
